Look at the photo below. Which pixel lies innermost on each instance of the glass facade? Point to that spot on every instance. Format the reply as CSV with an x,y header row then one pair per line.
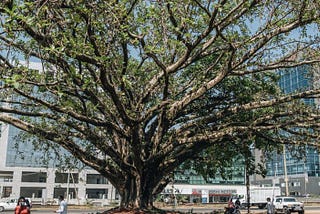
x,y
295,80
295,166
21,154
237,172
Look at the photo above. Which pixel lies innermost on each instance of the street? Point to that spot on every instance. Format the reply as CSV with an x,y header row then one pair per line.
x,y
70,211
308,210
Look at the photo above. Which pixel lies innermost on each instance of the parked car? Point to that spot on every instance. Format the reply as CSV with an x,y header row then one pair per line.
x,y
8,204
11,203
288,205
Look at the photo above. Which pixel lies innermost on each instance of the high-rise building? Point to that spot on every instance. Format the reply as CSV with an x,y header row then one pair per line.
x,y
296,172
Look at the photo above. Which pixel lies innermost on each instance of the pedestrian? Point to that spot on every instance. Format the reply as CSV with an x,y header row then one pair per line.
x,y
22,206
270,209
62,206
231,206
237,203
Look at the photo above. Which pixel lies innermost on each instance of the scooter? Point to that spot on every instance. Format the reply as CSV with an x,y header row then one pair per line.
x,y
229,210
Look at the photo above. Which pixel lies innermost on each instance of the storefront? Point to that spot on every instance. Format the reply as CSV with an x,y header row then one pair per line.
x,y
202,193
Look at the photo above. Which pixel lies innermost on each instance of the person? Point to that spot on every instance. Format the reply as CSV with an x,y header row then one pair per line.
x,y
231,206
62,206
269,206
237,203
22,206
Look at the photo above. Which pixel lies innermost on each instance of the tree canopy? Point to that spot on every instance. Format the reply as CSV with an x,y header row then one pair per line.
x,y
135,88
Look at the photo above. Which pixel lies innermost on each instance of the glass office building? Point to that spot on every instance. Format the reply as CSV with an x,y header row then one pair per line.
x,y
236,172
22,155
301,170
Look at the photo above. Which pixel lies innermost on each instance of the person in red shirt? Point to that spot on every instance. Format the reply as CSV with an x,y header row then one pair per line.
x,y
22,207
231,206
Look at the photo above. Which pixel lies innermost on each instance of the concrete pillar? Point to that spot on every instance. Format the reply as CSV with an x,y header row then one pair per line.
x,y
50,185
16,183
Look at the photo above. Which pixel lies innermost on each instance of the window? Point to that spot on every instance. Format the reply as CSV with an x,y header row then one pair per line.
x,y
97,193
63,178
295,184
63,191
6,176
289,200
37,177
96,179
32,192
6,191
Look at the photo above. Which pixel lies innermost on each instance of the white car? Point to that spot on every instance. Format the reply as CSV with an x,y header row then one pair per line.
x,y
8,204
288,205
11,203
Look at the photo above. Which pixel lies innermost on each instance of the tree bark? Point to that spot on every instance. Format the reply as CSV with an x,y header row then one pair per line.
x,y
136,194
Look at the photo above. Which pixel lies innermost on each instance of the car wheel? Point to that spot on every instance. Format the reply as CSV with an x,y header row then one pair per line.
x,y
286,211
1,209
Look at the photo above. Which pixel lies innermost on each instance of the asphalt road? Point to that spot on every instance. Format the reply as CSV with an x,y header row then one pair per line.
x,y
70,211
308,210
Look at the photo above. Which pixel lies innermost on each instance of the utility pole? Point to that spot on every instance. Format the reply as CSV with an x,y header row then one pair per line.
x,y
68,185
285,169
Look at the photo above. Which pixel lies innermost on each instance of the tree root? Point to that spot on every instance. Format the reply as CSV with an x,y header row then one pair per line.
x,y
154,210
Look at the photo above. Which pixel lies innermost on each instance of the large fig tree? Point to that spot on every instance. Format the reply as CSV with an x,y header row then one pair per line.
x,y
134,88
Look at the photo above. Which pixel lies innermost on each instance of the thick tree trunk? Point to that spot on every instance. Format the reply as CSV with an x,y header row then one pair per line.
x,y
130,194
136,194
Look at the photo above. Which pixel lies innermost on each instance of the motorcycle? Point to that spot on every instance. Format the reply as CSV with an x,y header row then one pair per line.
x,y
235,210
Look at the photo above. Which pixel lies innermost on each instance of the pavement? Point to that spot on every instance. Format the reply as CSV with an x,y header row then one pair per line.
x,y
219,208
192,208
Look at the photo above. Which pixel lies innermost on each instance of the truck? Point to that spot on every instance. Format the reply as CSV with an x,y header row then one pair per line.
x,y
258,196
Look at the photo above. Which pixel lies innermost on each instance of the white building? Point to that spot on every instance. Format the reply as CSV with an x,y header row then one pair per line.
x,y
22,175
26,175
